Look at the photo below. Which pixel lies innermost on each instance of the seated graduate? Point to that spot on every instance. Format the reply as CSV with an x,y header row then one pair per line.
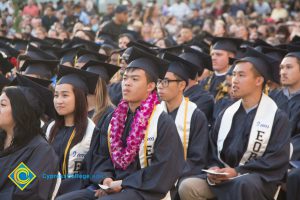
x,y
227,96
288,99
202,98
71,133
99,103
191,122
249,142
22,141
222,50
138,153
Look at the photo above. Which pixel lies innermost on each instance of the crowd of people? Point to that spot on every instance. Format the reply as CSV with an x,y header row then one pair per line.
x,y
181,100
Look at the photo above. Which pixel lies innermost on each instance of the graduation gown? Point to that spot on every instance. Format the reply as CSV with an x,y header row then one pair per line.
x,y
215,82
198,143
115,92
264,172
41,159
203,99
59,144
152,182
291,107
221,105
100,122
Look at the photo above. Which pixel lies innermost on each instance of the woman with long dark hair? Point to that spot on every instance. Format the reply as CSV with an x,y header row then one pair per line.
x,y
22,144
71,133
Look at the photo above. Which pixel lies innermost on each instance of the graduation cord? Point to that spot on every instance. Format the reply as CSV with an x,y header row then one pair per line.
x,y
208,84
64,167
146,137
184,128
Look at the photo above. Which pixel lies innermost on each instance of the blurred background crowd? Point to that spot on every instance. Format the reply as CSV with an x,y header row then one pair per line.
x,y
164,23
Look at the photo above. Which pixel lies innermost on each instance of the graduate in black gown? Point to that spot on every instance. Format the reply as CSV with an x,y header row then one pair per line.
x,y
249,142
22,140
228,97
115,87
155,166
288,99
222,50
100,102
71,133
191,122
202,98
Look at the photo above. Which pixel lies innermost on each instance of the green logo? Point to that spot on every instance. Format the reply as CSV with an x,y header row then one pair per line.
x,y
22,176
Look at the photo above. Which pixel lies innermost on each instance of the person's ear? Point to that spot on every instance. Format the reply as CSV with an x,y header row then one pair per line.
x,y
259,81
182,85
151,86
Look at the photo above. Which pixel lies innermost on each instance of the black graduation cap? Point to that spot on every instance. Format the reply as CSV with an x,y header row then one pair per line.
x,y
294,51
150,48
105,70
8,50
54,42
293,54
204,35
89,45
265,65
296,39
201,46
5,65
139,58
3,82
84,55
293,48
175,50
81,79
43,68
42,82
51,50
226,44
275,53
200,59
38,42
181,67
69,54
39,97
260,42
20,44
35,53
240,53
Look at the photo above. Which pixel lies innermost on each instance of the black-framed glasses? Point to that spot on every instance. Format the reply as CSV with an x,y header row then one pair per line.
x,y
165,82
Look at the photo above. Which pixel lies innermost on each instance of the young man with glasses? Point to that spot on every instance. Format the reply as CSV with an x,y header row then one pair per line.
x,y
191,123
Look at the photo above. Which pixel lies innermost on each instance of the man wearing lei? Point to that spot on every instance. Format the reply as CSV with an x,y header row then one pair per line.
x,y
138,153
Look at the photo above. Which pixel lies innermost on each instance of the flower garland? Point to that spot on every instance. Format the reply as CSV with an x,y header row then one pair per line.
x,y
123,157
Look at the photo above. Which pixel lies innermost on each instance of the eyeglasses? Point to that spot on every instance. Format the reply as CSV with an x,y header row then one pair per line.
x,y
165,82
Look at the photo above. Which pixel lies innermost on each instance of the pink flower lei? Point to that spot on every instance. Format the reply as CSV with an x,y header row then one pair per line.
x,y
123,157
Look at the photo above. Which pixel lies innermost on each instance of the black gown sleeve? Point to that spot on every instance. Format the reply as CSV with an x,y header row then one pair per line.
x,y
198,145
42,161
